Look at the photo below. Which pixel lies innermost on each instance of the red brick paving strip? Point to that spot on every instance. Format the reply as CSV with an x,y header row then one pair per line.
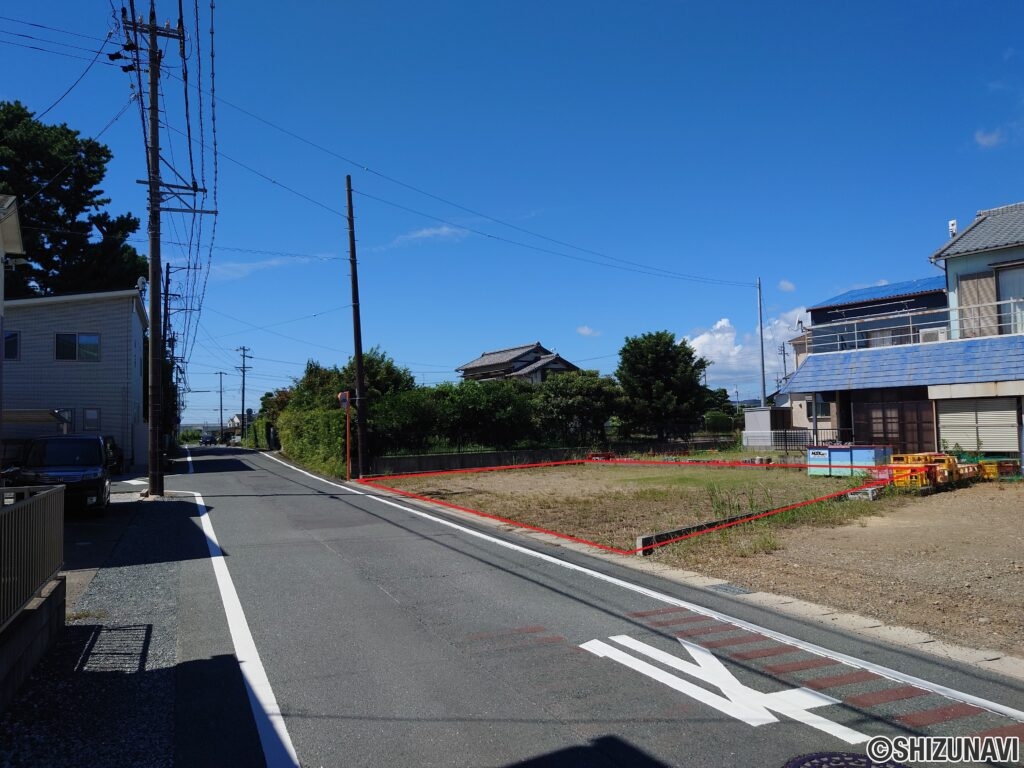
x,y
680,620
714,629
777,650
727,641
941,715
1009,730
797,666
885,696
824,683
657,612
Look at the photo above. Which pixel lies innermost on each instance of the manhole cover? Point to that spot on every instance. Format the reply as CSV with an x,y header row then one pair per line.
x,y
838,760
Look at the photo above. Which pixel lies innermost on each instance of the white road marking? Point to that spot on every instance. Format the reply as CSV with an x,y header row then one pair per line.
x,y
277,744
817,650
136,481
755,707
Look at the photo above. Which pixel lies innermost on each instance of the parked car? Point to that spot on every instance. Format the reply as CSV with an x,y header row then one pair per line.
x,y
78,462
115,455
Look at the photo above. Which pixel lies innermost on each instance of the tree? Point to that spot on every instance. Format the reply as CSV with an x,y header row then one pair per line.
x,y
272,403
382,375
573,407
70,243
661,384
719,400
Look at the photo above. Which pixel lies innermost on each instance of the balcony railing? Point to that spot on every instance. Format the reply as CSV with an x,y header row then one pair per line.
x,y
31,544
918,327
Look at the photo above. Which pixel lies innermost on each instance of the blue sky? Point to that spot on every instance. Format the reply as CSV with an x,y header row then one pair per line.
x,y
571,173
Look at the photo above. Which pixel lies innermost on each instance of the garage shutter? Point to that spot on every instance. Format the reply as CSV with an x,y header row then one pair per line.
x,y
988,424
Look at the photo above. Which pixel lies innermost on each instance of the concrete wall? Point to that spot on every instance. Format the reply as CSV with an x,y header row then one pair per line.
x,y
29,636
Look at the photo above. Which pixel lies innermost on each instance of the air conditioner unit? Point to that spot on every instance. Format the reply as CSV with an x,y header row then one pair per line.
x,y
933,334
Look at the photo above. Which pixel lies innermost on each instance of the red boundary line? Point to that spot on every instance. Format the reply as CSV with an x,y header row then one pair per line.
x,y
605,547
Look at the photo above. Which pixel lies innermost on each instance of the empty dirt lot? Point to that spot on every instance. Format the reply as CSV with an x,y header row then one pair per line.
x,y
950,564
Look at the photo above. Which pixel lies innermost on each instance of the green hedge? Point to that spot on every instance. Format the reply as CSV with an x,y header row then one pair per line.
x,y
315,439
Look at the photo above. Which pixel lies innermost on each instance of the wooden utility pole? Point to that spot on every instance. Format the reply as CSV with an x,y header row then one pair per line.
x,y
357,340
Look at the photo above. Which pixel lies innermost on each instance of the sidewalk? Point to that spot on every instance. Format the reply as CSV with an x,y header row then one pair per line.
x,y
115,690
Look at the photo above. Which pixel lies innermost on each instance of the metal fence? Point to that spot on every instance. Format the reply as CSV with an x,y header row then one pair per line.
x,y
794,439
31,544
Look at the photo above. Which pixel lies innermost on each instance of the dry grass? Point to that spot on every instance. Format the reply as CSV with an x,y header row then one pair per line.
x,y
612,504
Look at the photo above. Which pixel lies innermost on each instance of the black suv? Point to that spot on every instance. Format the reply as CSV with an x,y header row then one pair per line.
x,y
78,462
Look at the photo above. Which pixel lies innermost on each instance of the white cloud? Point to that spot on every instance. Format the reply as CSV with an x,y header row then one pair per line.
x,y
444,232
586,330
989,139
787,286
237,270
736,358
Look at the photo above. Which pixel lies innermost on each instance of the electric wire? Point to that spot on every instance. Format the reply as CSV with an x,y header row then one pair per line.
x,y
59,173
43,114
50,29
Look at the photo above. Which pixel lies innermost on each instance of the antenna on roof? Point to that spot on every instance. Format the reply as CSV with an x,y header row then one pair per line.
x,y
952,227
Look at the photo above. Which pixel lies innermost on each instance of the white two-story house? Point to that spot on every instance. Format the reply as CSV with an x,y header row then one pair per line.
x,y
903,370
81,356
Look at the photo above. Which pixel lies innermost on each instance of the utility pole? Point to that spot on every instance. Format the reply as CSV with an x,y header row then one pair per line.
x,y
782,351
760,326
139,34
220,434
357,334
245,353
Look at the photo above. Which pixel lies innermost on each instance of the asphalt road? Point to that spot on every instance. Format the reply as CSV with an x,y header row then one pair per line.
x,y
314,623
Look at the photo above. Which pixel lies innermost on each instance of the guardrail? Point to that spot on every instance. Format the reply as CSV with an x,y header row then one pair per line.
x,y
31,544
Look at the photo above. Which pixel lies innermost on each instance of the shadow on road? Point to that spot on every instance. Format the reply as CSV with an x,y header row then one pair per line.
x,y
102,698
605,751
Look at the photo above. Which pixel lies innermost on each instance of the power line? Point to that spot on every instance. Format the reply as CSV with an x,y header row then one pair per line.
x,y
56,53
42,114
57,175
640,268
50,29
637,267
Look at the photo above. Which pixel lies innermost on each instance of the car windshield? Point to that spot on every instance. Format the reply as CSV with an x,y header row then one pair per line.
x,y
65,453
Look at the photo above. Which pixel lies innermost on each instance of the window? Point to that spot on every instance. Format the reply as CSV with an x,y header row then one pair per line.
x,y
83,347
12,345
91,419
824,409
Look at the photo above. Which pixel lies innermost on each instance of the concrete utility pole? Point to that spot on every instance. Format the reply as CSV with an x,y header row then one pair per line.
x,y
245,353
139,34
220,434
760,326
357,334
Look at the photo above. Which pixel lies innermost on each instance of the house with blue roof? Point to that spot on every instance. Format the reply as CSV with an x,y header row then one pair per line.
x,y
926,364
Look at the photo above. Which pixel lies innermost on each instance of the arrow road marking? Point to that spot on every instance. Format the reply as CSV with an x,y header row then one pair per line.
x,y
737,700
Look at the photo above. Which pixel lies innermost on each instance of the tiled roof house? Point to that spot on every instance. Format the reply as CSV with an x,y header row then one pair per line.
x,y
930,363
532,362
